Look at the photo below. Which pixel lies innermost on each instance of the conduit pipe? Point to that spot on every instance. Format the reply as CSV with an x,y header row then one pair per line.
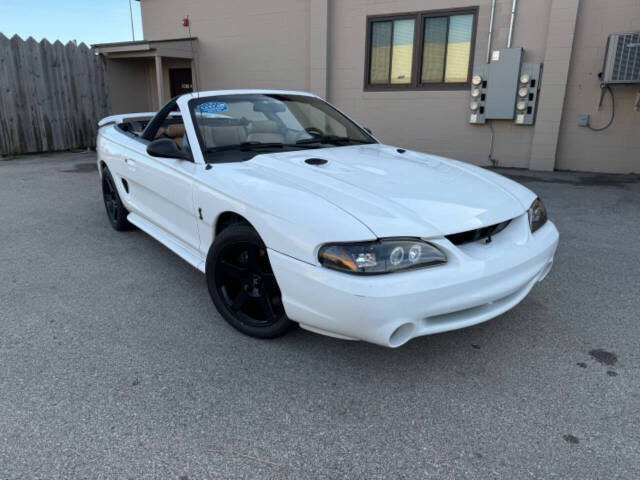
x,y
513,19
493,11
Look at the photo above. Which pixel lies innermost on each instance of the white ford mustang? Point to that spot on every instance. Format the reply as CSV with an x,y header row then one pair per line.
x,y
297,214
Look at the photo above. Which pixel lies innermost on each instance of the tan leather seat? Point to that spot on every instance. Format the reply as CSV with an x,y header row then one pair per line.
x,y
176,133
223,135
265,132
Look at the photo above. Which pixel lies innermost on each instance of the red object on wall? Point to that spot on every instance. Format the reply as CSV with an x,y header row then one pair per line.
x,y
185,22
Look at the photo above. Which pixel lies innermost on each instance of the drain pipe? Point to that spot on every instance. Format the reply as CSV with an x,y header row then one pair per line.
x,y
493,11
513,19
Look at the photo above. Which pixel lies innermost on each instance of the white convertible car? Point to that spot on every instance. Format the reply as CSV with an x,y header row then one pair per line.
x,y
298,215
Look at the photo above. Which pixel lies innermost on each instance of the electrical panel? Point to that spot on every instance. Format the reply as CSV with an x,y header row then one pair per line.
x,y
528,90
502,84
622,58
505,89
478,94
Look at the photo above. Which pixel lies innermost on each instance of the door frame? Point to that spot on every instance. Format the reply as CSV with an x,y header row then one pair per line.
x,y
173,92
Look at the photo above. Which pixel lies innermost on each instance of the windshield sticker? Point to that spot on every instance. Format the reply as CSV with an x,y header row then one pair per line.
x,y
213,107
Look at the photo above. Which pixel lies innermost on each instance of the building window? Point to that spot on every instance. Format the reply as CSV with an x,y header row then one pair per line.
x,y
424,50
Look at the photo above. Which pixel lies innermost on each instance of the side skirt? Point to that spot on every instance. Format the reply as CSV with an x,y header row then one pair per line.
x,y
172,243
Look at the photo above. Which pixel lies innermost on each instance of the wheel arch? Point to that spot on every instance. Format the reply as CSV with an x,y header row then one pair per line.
x,y
226,219
289,220
102,165
244,291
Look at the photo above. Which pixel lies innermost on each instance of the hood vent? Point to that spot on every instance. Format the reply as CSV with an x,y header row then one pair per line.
x,y
315,161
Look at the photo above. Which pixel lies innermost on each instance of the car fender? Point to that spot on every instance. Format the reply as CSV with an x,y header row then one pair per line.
x,y
288,218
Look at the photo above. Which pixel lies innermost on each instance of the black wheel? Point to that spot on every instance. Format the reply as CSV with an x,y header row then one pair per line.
x,y
242,284
115,209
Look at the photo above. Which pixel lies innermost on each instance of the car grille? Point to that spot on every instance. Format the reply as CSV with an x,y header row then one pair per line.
x,y
477,234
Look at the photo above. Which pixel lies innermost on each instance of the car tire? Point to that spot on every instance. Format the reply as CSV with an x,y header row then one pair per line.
x,y
242,284
116,210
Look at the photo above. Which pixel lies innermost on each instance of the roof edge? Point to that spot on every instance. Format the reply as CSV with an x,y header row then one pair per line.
x,y
141,42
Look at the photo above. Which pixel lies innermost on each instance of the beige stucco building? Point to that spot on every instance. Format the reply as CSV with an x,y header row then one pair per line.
x,y
401,76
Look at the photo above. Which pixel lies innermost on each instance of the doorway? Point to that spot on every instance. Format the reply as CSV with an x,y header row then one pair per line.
x,y
180,81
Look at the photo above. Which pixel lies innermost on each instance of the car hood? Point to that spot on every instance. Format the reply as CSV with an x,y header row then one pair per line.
x,y
400,194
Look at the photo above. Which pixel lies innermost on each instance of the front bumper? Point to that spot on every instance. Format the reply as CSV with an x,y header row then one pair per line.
x,y
479,282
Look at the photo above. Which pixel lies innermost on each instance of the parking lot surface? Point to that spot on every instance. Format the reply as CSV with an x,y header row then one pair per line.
x,y
115,364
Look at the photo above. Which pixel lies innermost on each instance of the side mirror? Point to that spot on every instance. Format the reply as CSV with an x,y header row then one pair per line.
x,y
166,148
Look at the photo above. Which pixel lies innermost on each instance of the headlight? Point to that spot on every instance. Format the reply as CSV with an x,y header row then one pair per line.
x,y
537,215
382,256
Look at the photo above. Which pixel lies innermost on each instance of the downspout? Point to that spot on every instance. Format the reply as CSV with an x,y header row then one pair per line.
x,y
493,11
513,19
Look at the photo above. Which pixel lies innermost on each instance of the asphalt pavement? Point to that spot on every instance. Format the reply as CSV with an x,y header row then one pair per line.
x,y
115,364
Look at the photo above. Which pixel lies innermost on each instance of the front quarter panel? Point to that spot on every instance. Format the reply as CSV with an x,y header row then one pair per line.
x,y
290,219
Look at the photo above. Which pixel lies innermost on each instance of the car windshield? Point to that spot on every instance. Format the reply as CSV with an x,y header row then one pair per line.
x,y
238,127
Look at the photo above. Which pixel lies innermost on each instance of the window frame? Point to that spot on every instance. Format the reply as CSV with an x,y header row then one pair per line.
x,y
418,53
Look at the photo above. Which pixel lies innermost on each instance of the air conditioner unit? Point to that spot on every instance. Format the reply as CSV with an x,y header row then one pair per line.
x,y
622,58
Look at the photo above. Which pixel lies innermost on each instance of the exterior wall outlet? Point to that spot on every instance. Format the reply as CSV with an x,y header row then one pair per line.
x,y
583,120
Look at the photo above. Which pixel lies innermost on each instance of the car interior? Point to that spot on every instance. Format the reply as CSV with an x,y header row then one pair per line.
x,y
216,133
247,121
172,128
236,132
174,131
253,123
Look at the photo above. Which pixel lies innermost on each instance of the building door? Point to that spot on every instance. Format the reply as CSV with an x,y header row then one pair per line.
x,y
180,80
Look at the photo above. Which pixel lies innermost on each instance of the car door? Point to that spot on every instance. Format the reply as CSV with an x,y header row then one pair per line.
x,y
161,191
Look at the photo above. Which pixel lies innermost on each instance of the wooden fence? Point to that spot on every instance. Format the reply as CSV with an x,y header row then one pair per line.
x,y
51,96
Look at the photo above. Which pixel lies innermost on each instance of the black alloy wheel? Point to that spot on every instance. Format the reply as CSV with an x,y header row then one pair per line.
x,y
116,211
242,284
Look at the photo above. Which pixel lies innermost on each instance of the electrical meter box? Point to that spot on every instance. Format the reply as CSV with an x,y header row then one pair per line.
x,y
528,92
505,89
478,95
